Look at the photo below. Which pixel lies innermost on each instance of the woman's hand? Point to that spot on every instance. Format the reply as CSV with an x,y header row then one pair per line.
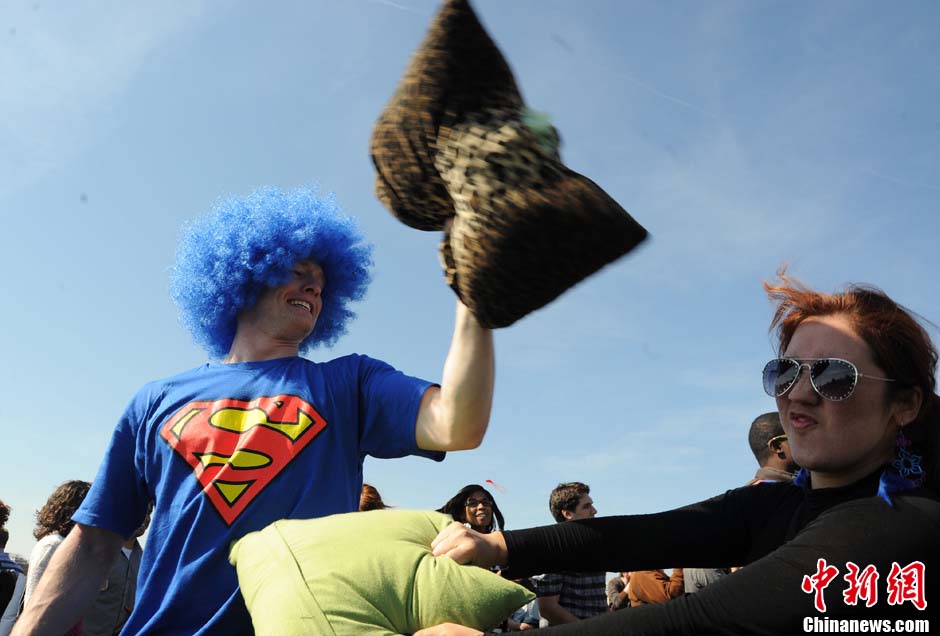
x,y
469,547
448,629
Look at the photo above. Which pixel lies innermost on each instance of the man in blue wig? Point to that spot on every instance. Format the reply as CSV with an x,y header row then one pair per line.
x,y
259,433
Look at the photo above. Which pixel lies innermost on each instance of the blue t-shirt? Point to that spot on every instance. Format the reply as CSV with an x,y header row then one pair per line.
x,y
226,449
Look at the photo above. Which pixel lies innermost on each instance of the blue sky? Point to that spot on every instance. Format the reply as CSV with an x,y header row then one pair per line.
x,y
742,134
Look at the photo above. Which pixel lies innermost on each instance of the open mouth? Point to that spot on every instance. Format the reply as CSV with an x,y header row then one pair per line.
x,y
302,303
801,421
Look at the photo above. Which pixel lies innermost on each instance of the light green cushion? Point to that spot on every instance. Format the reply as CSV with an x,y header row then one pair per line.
x,y
364,573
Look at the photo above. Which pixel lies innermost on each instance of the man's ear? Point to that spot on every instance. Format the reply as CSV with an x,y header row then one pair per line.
x,y
567,514
906,405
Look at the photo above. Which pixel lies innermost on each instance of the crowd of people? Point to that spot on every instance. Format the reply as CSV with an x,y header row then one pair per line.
x,y
19,577
261,433
561,597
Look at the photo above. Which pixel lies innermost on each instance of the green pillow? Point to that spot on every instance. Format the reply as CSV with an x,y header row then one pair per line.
x,y
364,573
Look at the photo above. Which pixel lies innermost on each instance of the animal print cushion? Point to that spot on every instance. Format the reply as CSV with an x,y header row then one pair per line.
x,y
457,70
457,143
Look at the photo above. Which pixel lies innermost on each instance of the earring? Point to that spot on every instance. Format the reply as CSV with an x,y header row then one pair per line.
x,y
907,464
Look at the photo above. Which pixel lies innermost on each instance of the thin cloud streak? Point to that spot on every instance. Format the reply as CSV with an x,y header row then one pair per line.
x,y
400,7
666,96
904,182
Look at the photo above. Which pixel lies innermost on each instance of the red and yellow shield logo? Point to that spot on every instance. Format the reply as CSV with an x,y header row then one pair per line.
x,y
236,447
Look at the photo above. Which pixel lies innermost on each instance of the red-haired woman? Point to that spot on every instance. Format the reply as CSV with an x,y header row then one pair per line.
x,y
854,536
370,499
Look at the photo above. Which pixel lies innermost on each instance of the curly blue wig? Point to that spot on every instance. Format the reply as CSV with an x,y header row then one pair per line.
x,y
244,245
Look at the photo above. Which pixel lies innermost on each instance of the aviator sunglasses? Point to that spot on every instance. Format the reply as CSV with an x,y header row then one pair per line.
x,y
832,378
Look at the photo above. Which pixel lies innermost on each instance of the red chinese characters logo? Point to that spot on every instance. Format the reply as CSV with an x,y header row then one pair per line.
x,y
236,448
818,582
863,585
907,584
903,584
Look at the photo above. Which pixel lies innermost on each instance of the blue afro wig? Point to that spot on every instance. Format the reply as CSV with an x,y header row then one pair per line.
x,y
244,245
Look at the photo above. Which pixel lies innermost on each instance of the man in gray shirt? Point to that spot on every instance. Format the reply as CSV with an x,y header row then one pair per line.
x,y
116,599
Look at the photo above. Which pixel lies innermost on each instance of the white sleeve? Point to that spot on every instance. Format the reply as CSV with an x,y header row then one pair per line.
x,y
39,560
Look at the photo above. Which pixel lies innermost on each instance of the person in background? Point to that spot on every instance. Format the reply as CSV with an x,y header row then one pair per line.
x,y
53,525
573,594
655,586
526,617
475,506
618,592
697,579
771,449
370,499
116,599
12,578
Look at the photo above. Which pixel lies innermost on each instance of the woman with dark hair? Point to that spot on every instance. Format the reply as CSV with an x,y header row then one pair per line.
x,y
853,536
53,523
474,505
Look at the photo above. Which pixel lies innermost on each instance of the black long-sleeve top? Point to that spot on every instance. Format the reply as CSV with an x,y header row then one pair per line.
x,y
777,530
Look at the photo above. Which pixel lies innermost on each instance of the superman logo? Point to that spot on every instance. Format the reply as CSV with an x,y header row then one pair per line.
x,y
236,447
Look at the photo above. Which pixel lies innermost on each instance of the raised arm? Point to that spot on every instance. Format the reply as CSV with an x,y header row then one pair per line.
x,y
70,583
455,416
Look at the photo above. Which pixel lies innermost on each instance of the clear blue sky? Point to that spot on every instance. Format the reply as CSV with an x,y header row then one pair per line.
x,y
742,134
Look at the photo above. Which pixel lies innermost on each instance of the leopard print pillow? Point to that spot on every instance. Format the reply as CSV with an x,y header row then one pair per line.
x,y
457,150
457,70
